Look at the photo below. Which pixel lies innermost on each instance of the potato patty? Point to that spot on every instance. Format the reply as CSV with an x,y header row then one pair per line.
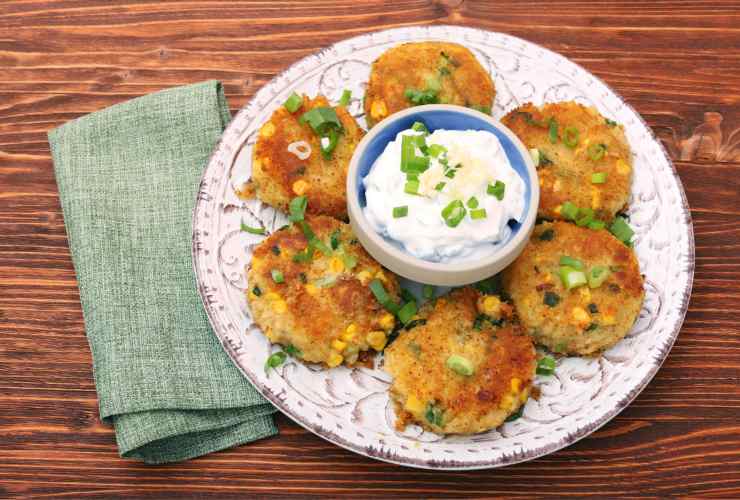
x,y
323,307
580,320
426,73
583,157
465,370
279,174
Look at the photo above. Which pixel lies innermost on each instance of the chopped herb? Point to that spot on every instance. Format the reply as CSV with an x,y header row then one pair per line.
x,y
407,312
293,102
304,255
349,261
477,214
596,224
418,97
334,239
440,186
297,208
585,217
598,178
427,291
546,366
551,299
436,149
443,71
596,151
411,187
399,212
568,210
621,230
460,365
321,120
591,327
530,120
454,213
516,415
481,319
450,173
570,137
570,261
406,295
553,126
312,239
376,286
497,190
489,286
434,414
593,308
293,350
346,97
611,123
275,250
420,127
275,360
256,291
473,202
547,235
252,230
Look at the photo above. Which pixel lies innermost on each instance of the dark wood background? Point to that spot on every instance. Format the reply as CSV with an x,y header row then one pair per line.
x,y
677,63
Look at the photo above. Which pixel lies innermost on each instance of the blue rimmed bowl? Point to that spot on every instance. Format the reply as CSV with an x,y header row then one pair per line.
x,y
439,116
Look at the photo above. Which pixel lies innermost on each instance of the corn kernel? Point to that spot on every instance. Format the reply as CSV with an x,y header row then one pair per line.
x,y
311,289
338,345
351,329
557,185
279,306
489,305
580,316
595,197
516,384
381,276
414,404
336,265
378,110
267,161
507,402
364,276
585,293
256,164
557,209
348,337
377,340
267,130
387,322
608,320
335,359
623,167
272,296
300,187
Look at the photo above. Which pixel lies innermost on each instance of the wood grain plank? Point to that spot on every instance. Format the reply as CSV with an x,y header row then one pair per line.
x,y
676,62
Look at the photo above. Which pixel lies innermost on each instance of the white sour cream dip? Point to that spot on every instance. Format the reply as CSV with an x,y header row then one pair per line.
x,y
478,162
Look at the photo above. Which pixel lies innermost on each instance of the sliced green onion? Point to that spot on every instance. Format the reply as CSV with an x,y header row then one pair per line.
x,y
418,97
326,150
596,151
450,173
570,137
479,213
572,278
530,120
406,295
410,161
621,230
420,127
297,208
570,261
440,186
546,366
454,213
349,261
598,178
305,255
399,212
553,126
551,299
411,187
346,97
275,360
611,123
277,276
436,149
293,350
434,415
569,211
252,230
535,154
334,239
321,119
585,216
596,224
597,275
412,177
473,202
497,190
591,327
326,281
433,83
293,102
516,415
313,241
427,291
407,312
460,365
385,300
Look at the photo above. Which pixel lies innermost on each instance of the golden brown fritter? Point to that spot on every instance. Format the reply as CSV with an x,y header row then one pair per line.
x,y
323,308
585,144
581,320
446,73
500,356
278,174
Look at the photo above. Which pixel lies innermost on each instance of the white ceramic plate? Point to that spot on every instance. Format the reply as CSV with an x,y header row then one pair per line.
x,y
350,407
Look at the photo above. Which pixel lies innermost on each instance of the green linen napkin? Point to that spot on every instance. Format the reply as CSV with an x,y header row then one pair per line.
x,y
128,177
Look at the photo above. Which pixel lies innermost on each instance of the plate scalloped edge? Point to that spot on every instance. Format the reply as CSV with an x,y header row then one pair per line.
x,y
350,407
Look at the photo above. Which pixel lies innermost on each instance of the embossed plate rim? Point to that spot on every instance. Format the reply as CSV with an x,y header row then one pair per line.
x,y
582,430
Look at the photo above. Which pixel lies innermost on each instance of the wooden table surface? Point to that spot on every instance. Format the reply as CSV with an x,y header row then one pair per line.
x,y
677,63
